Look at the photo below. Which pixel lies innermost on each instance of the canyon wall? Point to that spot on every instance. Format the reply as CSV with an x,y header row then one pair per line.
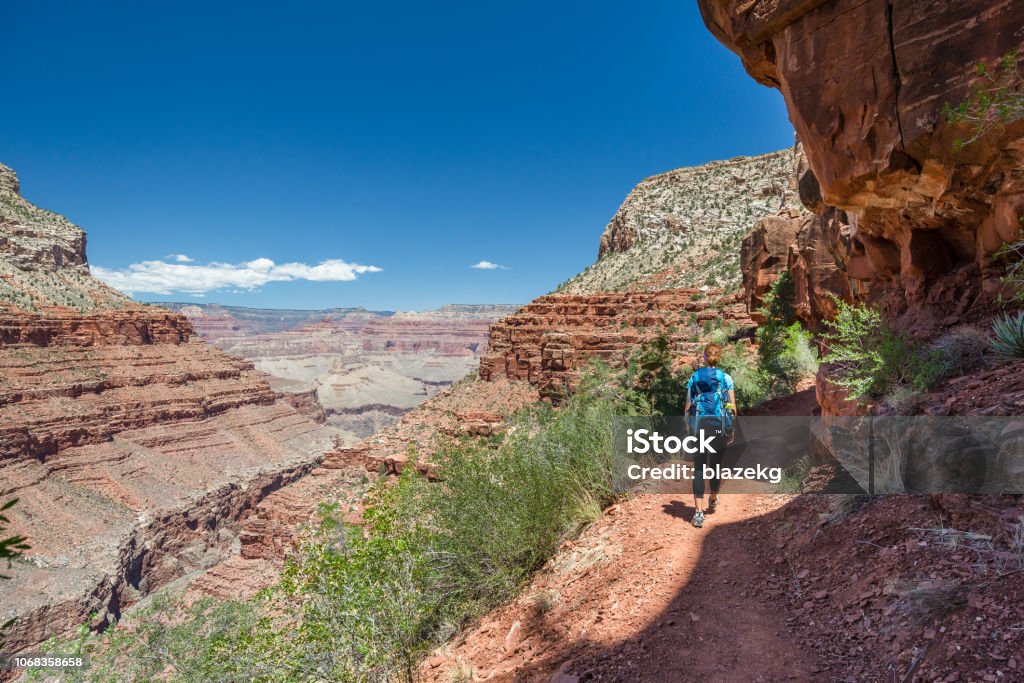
x,y
366,367
550,339
866,84
133,448
682,228
668,262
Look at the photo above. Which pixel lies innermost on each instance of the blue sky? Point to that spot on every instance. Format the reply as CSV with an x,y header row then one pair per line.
x,y
414,138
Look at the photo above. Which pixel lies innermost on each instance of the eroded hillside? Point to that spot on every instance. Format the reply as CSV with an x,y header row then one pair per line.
x,y
134,449
683,228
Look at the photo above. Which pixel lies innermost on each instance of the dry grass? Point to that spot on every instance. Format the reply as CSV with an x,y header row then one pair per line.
x,y
545,600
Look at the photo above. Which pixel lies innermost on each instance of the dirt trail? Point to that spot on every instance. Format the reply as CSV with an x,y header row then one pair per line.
x,y
642,595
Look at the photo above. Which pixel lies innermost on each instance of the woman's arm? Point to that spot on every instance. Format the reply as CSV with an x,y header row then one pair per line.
x,y
732,400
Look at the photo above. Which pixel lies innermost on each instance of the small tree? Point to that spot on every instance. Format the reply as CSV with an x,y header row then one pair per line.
x,y
650,373
784,351
11,548
996,101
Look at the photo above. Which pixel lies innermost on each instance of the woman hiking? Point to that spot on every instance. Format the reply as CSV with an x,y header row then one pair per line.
x,y
710,407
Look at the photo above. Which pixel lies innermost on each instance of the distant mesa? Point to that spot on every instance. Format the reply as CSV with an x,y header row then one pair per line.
x,y
367,368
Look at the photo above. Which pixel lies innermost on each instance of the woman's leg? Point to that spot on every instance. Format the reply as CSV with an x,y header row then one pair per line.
x,y
715,461
698,481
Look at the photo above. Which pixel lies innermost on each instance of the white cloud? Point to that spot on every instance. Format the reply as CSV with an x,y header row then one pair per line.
x,y
160,277
487,265
180,258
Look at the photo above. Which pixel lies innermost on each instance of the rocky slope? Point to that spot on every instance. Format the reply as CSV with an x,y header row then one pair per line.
x,y
133,448
668,262
682,228
471,407
366,367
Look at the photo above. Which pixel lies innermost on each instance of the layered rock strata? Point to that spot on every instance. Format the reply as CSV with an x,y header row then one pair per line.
x,y
365,367
549,340
134,449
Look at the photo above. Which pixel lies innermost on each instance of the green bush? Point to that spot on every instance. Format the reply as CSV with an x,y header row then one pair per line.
x,y
1009,340
649,372
785,352
870,359
11,548
366,603
230,641
751,381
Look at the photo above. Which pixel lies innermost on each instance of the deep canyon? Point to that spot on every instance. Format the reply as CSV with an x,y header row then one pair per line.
x,y
191,443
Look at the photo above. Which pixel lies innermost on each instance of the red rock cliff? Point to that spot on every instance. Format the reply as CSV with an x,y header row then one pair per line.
x,y
134,449
549,340
865,84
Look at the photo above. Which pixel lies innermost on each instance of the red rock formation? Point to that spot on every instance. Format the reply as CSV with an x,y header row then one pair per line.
x,y
306,403
64,327
865,84
764,254
550,339
134,449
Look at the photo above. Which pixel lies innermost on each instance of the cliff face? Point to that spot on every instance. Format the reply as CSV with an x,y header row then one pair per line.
x,y
865,84
549,340
42,258
133,448
668,262
682,228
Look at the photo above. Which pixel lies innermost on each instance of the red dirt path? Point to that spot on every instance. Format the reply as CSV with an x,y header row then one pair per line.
x,y
642,595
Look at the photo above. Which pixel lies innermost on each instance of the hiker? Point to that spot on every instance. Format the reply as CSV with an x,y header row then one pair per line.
x,y
710,406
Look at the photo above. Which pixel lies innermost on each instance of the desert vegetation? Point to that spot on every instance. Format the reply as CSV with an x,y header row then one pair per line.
x,y
366,602
872,361
784,355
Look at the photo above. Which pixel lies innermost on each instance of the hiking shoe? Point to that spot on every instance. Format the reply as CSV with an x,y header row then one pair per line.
x,y
698,519
712,505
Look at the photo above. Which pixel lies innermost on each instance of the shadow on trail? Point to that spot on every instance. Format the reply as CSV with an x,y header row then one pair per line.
x,y
679,510
719,627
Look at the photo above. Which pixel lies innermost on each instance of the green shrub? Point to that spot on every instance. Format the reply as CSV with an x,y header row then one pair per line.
x,y
438,555
1009,340
870,359
785,351
366,603
649,372
751,382
11,548
205,641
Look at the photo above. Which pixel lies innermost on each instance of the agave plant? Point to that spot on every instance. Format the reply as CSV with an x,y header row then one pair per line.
x,y
1009,341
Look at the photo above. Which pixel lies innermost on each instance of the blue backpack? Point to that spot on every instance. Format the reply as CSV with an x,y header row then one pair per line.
x,y
709,399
